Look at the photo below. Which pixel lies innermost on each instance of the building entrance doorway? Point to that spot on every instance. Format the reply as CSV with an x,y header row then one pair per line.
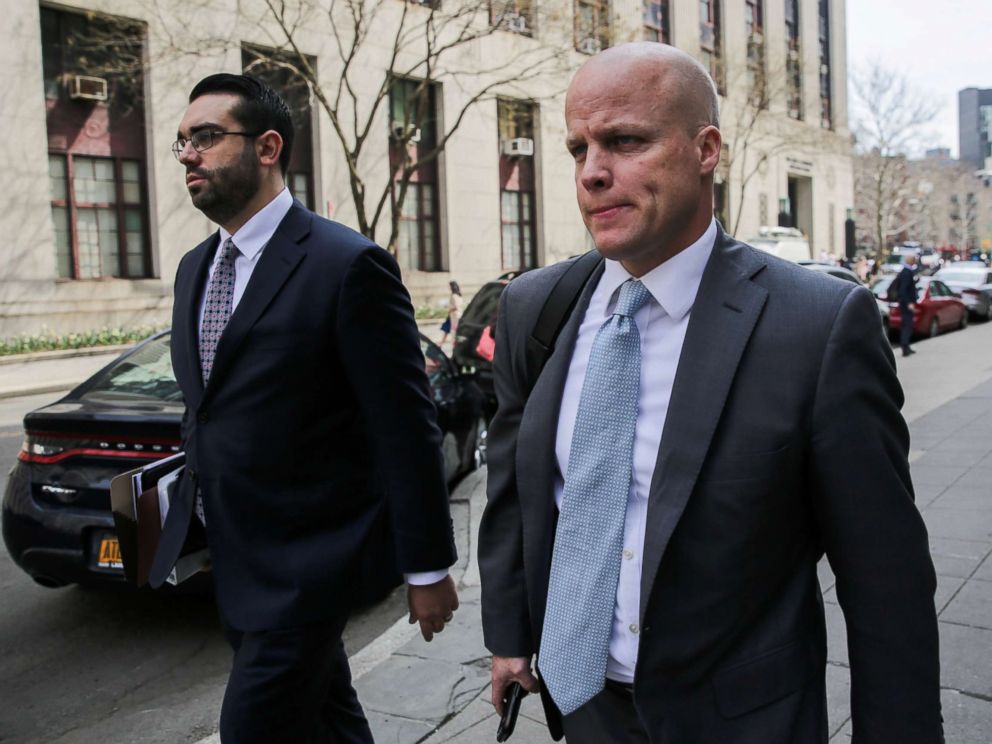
x,y
801,206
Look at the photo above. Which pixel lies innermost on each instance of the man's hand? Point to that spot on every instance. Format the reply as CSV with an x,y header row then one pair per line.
x,y
432,605
507,669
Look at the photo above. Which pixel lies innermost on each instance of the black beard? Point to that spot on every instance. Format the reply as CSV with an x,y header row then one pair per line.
x,y
227,190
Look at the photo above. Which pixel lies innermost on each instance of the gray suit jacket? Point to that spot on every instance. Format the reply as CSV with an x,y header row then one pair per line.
x,y
783,440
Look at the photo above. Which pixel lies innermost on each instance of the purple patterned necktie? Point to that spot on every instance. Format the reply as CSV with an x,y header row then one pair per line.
x,y
217,306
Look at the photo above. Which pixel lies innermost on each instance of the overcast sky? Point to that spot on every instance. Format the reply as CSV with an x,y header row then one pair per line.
x,y
941,45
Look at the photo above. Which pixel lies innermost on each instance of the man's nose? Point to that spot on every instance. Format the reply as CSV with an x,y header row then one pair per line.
x,y
188,154
595,173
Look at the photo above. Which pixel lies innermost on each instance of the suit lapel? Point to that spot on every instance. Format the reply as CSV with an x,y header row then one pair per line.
x,y
278,260
188,319
723,317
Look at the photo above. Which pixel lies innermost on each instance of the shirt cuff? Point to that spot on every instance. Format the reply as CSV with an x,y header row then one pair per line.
x,y
425,577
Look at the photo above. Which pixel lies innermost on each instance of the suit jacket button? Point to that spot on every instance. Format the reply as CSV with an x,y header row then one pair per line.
x,y
202,418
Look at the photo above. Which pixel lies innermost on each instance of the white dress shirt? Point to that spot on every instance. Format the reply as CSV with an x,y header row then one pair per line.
x,y
662,323
250,240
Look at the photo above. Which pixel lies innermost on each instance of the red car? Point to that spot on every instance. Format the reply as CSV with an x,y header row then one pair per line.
x,y
938,308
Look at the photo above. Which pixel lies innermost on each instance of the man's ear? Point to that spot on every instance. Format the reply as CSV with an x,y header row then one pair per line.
x,y
709,141
269,148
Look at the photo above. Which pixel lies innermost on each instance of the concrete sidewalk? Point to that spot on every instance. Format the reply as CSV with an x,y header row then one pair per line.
x,y
439,692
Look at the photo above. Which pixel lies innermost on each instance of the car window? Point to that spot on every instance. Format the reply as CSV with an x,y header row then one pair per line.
x,y
482,309
881,288
146,374
435,362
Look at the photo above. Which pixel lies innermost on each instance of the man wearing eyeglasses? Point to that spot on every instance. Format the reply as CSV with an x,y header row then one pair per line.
x,y
313,456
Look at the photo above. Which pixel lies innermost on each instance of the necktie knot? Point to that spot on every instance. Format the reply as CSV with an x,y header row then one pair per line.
x,y
633,295
228,251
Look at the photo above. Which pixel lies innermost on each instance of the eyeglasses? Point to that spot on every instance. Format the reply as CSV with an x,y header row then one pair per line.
x,y
204,139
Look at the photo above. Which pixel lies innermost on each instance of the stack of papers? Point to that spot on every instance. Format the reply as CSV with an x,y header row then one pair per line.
x,y
140,500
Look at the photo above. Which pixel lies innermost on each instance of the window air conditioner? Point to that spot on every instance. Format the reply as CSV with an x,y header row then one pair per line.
x,y
405,132
521,147
87,88
590,45
515,22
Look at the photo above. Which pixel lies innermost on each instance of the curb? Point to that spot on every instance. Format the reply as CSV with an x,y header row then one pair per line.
x,y
41,356
58,386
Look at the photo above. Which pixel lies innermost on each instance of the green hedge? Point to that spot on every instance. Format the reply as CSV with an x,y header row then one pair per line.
x,y
430,312
24,343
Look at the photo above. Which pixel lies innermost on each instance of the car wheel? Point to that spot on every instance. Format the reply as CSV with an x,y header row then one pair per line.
x,y
934,328
964,321
479,445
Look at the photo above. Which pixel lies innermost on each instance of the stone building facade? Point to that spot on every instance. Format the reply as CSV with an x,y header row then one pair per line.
x,y
97,216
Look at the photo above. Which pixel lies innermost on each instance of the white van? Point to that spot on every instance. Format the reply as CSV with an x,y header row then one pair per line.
x,y
785,242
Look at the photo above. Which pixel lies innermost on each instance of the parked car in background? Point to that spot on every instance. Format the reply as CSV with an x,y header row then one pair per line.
x,y
880,288
57,523
973,281
928,259
785,242
479,315
938,308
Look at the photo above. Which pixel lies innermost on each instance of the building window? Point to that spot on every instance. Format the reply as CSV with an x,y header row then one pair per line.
x,y
512,15
657,26
754,27
412,137
592,25
793,62
517,184
826,115
711,41
276,69
94,96
985,130
99,214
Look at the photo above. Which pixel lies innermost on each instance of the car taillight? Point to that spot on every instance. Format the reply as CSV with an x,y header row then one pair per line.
x,y
49,447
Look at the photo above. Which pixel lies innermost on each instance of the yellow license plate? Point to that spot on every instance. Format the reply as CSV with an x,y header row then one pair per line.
x,y
110,553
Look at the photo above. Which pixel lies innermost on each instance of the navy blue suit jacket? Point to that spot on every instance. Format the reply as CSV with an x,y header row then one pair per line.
x,y
314,443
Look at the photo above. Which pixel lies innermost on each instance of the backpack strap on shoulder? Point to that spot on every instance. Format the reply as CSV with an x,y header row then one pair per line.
x,y
556,311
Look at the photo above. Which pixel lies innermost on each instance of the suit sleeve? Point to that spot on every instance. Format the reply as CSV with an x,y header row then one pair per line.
x,y
873,533
505,617
380,350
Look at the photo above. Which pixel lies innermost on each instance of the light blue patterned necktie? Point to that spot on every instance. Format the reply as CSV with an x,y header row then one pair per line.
x,y
585,566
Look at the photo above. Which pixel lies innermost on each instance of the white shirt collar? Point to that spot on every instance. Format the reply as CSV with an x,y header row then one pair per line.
x,y
257,231
673,284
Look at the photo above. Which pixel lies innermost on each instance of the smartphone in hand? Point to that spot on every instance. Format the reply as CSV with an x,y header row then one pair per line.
x,y
511,708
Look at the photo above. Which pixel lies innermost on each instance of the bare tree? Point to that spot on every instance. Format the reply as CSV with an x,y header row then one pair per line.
x,y
752,135
890,118
424,45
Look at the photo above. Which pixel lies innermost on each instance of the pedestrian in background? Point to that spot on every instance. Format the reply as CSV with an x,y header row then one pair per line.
x,y
450,324
906,296
313,454
861,268
660,496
